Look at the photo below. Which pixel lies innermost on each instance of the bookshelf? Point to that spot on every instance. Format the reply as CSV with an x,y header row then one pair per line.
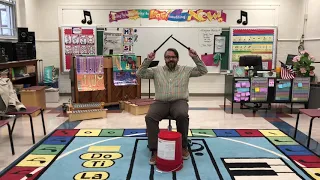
x,y
23,65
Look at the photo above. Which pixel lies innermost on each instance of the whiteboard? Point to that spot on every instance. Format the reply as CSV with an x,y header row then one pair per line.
x,y
150,38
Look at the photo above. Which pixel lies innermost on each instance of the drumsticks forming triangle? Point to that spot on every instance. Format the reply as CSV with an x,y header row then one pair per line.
x,y
181,43
167,40
162,44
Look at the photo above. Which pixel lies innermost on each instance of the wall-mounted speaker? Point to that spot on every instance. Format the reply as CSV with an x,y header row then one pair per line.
x,y
32,37
22,34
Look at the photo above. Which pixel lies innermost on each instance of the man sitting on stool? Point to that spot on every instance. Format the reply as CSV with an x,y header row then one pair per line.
x,y
171,95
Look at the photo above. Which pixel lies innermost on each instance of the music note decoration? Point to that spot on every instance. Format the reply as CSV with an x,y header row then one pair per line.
x,y
59,140
134,132
245,15
41,160
199,154
226,133
25,172
85,14
69,132
197,148
51,149
112,133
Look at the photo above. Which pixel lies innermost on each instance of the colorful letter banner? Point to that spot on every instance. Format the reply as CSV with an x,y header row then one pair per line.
x,y
179,15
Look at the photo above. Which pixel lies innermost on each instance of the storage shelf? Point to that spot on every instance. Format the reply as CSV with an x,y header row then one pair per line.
x,y
32,79
21,63
20,78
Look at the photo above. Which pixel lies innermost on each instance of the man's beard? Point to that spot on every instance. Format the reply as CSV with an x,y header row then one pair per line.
x,y
171,65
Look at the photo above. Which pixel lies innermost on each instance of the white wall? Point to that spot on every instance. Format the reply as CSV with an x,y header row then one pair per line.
x,y
31,16
46,16
312,35
21,13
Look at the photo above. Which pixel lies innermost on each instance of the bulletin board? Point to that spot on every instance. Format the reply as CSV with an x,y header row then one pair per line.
x,y
76,40
260,41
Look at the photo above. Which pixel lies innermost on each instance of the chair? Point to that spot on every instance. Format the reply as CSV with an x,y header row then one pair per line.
x,y
29,111
6,122
313,113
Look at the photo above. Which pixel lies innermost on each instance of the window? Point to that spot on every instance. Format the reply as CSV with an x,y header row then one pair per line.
x,y
7,18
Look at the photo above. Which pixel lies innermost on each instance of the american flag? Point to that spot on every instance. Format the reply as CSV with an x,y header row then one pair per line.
x,y
286,71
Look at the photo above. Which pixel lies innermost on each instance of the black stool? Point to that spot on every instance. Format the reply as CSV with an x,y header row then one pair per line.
x,y
169,126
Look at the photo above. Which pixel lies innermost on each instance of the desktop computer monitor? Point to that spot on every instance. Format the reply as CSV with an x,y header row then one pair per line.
x,y
251,60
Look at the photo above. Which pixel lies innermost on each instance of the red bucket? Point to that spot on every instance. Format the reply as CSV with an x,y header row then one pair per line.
x,y
169,156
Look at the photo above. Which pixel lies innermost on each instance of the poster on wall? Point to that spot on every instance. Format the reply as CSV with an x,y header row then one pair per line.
x,y
77,41
112,43
177,15
128,40
259,41
219,44
206,36
124,70
90,73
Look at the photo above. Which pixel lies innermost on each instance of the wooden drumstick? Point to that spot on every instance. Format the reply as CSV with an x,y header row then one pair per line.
x,y
181,43
162,44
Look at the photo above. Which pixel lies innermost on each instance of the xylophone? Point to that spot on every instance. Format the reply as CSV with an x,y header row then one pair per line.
x,y
86,111
84,106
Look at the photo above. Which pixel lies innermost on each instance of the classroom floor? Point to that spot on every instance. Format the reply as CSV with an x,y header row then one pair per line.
x,y
205,113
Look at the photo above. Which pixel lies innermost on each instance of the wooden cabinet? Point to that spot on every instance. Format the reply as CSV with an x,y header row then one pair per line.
x,y
112,94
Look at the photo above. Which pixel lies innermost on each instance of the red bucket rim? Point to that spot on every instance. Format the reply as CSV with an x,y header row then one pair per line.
x,y
169,134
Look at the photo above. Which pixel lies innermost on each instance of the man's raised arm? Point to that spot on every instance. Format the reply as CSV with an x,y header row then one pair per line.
x,y
201,68
144,71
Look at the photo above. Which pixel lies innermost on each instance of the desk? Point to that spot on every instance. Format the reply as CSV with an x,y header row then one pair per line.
x,y
267,90
313,113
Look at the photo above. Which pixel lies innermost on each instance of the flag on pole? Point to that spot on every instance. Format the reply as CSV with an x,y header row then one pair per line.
x,y
286,71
